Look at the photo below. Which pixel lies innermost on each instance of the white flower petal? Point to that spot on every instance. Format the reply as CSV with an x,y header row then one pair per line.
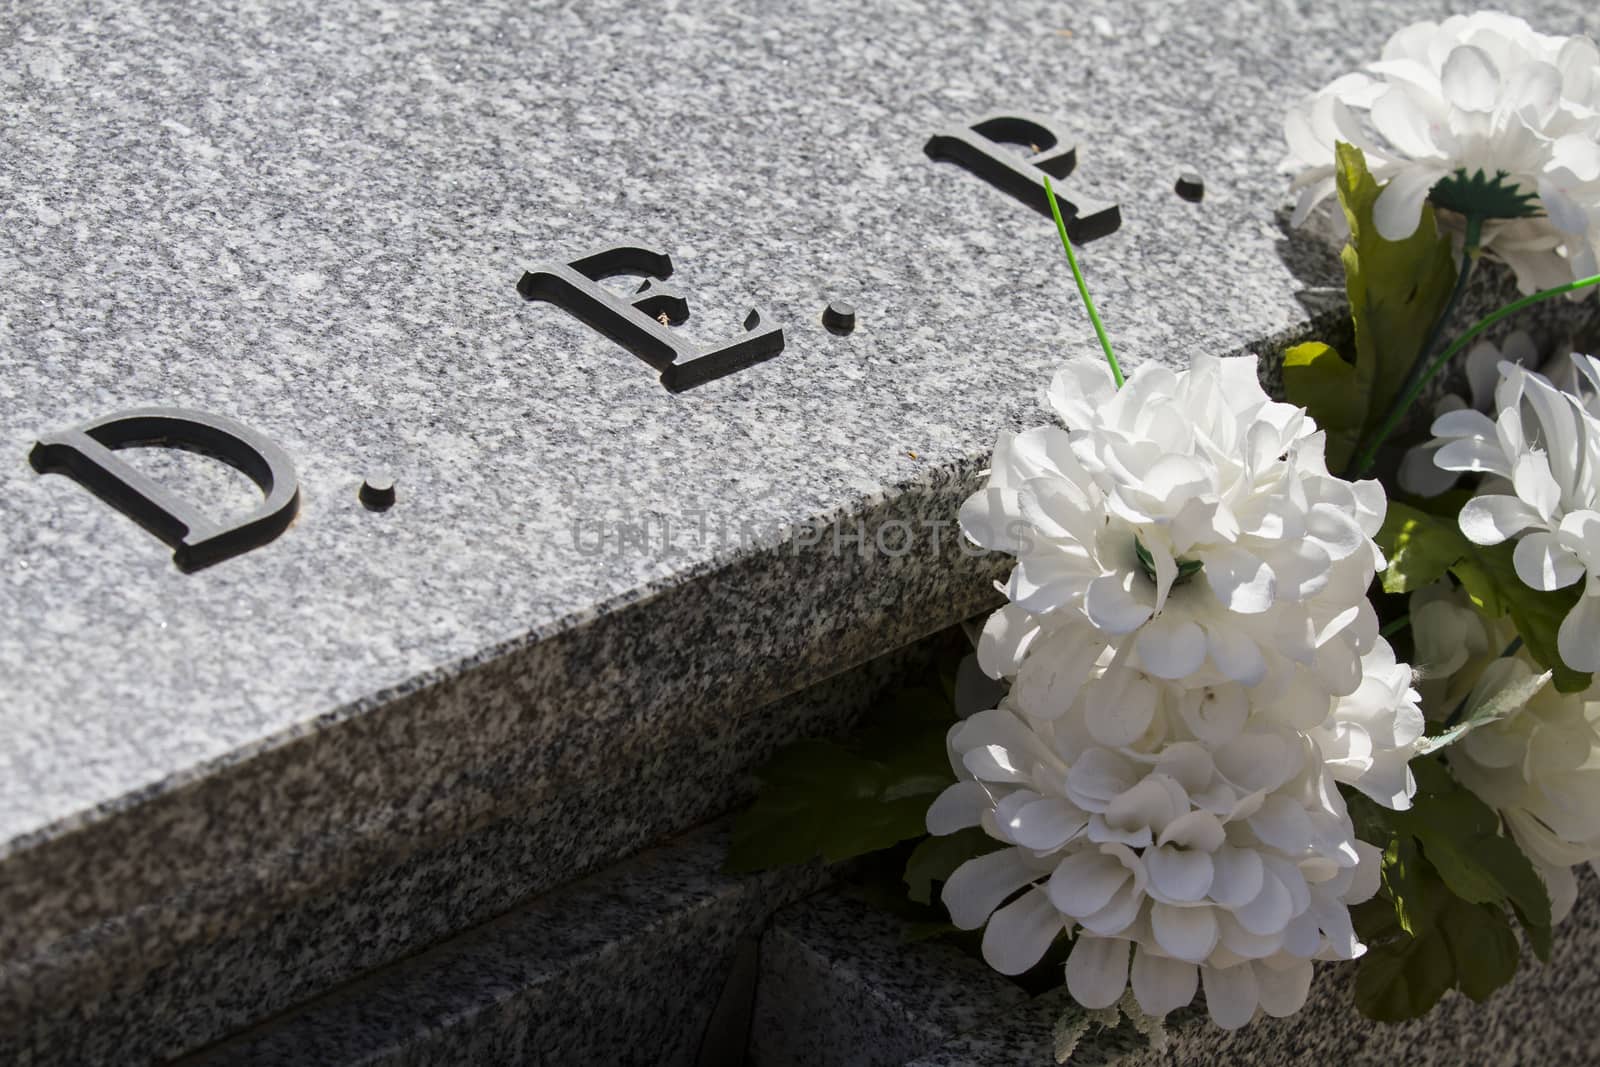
x,y
1177,874
1085,881
1283,991
1241,581
1237,876
1162,985
1119,708
1112,606
958,807
1544,563
1186,933
1398,209
1578,640
1537,487
1047,824
1019,934
1097,971
1171,648
1271,909
979,885
1489,520
1232,994
1470,80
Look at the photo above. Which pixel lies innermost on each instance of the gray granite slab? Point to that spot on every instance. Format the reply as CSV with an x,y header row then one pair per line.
x,y
623,967
130,992
312,218
841,986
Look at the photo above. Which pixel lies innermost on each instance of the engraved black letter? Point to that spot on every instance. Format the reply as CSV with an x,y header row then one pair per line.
x,y
84,454
635,322
981,149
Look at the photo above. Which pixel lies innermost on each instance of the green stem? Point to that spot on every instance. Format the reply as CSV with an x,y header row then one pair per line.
x,y
1395,627
1083,289
1364,462
1419,374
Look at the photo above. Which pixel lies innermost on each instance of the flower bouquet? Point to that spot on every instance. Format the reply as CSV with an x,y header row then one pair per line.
x,y
1254,707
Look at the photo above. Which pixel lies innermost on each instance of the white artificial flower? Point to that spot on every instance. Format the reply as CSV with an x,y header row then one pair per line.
x,y
1190,835
1418,474
1451,645
1541,456
1480,92
1540,768
1371,735
1192,521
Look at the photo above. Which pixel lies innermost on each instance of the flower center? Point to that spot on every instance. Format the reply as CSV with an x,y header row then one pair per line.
x,y
1187,568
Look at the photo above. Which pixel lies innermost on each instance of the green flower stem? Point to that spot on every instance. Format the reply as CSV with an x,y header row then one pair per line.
x,y
1419,373
1365,461
1083,289
1395,627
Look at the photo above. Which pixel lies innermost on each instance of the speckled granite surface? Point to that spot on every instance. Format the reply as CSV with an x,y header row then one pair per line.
x,y
125,996
623,967
312,218
1024,1037
841,987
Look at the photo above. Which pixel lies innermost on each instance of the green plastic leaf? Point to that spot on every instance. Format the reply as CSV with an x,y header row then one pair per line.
x,y
1540,938
1402,881
1461,838
821,798
1404,979
1482,945
1318,378
1493,708
936,858
1421,546
1396,290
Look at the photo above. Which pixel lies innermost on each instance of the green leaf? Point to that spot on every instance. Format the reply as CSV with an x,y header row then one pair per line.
x,y
1492,708
1540,937
1319,379
936,858
1482,945
1461,839
1401,879
1396,290
1489,576
822,798
1422,546
1403,979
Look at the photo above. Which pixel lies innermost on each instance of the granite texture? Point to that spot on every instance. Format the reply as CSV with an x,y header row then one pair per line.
x,y
130,994
1024,1037
312,218
622,967
841,986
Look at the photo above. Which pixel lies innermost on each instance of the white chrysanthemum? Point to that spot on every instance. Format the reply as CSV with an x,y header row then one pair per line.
x,y
1190,519
1540,768
1480,92
1541,452
1187,834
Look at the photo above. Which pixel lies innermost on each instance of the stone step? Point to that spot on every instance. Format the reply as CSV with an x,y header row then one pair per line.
x,y
650,961
137,991
841,984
